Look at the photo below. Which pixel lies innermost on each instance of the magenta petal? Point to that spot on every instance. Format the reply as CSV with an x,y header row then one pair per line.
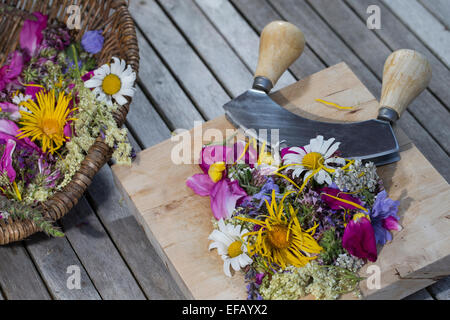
x,y
68,130
224,197
212,154
87,76
336,204
6,160
201,184
9,130
390,223
359,239
31,33
32,91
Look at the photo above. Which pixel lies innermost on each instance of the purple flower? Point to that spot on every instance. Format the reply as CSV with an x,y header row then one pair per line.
x,y
266,191
92,41
384,217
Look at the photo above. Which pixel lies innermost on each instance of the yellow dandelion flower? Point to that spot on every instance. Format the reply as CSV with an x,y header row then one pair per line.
x,y
281,240
46,119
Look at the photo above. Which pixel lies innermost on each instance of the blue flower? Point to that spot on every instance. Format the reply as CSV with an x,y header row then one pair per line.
x,y
384,217
266,191
92,41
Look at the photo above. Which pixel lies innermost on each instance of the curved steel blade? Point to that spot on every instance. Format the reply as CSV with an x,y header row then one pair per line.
x,y
372,139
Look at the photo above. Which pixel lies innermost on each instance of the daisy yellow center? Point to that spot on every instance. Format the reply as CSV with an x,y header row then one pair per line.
x,y
312,160
111,84
278,237
50,126
234,249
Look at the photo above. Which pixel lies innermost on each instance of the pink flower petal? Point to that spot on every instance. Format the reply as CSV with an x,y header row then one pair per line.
x,y
32,91
224,197
31,33
359,239
391,223
68,130
201,184
213,154
335,204
6,160
9,130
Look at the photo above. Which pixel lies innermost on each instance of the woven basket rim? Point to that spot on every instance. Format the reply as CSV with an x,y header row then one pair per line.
x,y
60,203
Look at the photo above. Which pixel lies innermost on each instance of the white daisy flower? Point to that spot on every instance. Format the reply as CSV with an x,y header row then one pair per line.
x,y
229,244
113,82
313,158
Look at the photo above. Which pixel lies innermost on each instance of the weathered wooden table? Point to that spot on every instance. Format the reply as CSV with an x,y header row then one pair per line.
x,y
195,56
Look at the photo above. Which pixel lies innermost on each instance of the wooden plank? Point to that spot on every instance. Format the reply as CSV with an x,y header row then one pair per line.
x,y
440,9
166,94
241,37
94,248
331,49
19,279
144,122
433,116
52,257
419,253
193,75
420,295
210,45
431,31
129,237
397,36
441,289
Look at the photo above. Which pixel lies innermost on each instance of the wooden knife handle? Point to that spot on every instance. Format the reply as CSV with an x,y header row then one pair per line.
x,y
280,45
406,74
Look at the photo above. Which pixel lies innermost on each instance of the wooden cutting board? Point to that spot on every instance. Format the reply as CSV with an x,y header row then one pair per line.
x,y
178,222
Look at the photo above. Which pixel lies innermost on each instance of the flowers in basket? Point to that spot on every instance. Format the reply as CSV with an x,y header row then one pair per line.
x,y
54,102
296,223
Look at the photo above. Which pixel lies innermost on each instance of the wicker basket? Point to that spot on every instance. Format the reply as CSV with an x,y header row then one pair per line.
x,y
120,40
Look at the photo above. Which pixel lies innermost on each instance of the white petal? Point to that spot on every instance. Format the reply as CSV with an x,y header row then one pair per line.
x,y
92,83
115,66
320,177
326,145
121,100
297,150
307,148
298,171
332,150
316,144
328,180
293,158
226,268
235,263
337,160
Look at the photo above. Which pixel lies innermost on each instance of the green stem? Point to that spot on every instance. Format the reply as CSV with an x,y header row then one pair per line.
x,y
75,58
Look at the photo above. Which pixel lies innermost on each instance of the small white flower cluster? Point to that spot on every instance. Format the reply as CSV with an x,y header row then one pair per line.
x,y
93,116
239,172
349,262
357,177
323,283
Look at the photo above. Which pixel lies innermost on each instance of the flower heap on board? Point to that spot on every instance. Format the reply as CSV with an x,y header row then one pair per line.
x,y
300,226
